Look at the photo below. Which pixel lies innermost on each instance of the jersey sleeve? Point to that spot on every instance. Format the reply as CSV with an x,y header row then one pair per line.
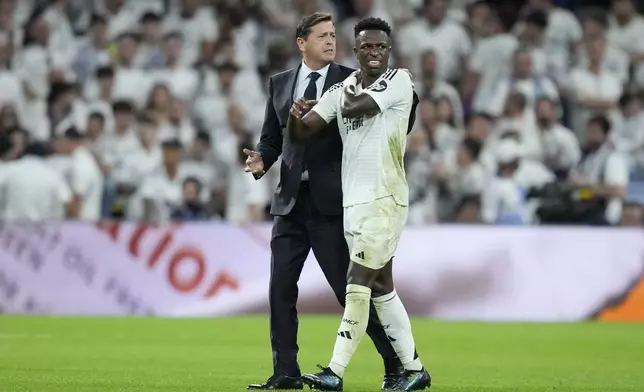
x,y
393,89
328,105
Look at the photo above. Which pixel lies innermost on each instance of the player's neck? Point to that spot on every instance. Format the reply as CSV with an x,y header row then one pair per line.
x,y
314,65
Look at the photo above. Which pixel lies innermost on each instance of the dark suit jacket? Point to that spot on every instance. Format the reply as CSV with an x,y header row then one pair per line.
x,y
322,152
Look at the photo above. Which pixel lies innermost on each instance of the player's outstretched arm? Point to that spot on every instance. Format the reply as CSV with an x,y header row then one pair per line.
x,y
302,122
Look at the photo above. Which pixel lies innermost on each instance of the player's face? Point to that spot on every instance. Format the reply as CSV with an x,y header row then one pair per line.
x,y
372,51
320,44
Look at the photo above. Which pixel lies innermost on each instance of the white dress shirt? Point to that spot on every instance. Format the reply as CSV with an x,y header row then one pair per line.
x,y
300,87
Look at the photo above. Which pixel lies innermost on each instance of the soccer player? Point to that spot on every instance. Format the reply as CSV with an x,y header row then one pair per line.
x,y
372,108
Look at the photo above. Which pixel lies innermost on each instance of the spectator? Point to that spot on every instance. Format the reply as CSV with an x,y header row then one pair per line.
x,y
627,136
447,38
93,53
560,147
86,179
602,170
594,89
191,208
632,215
149,55
432,87
32,191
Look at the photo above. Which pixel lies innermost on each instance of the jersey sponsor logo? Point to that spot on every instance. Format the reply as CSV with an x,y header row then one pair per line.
x,y
351,124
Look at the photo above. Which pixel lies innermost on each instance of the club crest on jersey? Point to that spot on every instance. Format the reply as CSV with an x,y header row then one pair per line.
x,y
381,86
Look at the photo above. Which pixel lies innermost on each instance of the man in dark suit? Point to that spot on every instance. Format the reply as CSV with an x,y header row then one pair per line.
x,y
307,204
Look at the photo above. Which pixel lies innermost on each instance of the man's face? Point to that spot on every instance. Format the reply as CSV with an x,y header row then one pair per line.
x,y
362,7
320,44
94,127
545,112
171,156
151,30
479,19
190,192
478,128
172,48
99,32
123,120
200,149
106,83
148,134
523,65
595,49
127,48
429,65
623,8
436,10
595,136
372,51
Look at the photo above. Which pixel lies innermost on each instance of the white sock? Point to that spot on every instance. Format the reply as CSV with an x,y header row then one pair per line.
x,y
352,328
394,318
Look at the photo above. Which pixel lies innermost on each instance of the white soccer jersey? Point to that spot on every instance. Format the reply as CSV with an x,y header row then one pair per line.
x,y
373,147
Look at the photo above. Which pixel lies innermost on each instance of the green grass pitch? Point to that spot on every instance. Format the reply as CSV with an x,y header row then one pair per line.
x,y
40,354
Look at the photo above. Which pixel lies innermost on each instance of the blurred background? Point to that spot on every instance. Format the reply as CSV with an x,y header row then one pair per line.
x,y
531,111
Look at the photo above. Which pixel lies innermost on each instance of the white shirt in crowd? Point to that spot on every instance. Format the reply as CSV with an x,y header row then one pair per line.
x,y
448,39
372,156
491,61
609,167
165,193
86,181
532,89
30,190
201,27
584,84
559,147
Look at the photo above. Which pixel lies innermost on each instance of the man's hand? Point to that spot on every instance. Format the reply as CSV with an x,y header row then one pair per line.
x,y
254,162
301,107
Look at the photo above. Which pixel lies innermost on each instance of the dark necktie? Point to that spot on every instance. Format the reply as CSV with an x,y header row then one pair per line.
x,y
311,93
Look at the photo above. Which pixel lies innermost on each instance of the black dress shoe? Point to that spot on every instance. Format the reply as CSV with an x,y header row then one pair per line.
x,y
278,381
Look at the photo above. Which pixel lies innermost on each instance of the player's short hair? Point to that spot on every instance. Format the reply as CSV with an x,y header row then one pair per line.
x,y
537,18
306,24
372,24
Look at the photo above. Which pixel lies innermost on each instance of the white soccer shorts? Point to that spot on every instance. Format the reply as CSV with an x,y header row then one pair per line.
x,y
373,230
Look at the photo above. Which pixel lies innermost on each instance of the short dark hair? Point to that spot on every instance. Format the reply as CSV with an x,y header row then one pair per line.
x,y
474,115
193,180
145,118
372,24
97,19
122,107
537,18
171,144
518,99
105,72
597,15
602,121
628,97
98,116
306,23
203,136
73,134
150,17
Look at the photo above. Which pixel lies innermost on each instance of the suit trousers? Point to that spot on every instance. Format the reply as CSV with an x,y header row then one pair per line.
x,y
293,236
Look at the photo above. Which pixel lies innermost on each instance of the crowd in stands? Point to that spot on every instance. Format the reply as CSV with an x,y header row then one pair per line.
x,y
139,109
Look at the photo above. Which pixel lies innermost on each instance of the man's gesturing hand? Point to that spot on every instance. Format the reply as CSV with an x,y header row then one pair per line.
x,y
254,162
301,107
